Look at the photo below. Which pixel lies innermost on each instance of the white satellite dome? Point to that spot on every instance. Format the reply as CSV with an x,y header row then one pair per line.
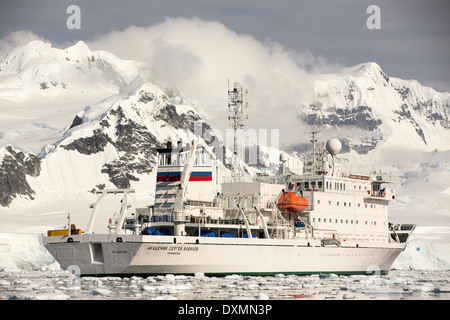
x,y
284,157
334,146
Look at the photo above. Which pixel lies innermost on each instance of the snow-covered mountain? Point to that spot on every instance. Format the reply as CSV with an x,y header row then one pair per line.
x,y
73,119
96,120
366,108
40,69
42,88
112,143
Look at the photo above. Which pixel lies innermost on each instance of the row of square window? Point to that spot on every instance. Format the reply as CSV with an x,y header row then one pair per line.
x,y
374,223
338,186
349,204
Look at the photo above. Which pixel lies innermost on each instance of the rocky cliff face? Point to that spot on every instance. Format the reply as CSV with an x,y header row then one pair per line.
x,y
14,169
128,132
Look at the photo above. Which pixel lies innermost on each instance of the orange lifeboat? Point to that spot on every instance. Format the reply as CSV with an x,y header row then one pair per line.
x,y
289,202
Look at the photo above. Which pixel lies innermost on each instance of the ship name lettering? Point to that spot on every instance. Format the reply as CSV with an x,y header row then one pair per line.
x,y
156,248
173,248
190,248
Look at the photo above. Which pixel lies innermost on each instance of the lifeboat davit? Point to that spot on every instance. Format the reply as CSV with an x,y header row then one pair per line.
x,y
289,202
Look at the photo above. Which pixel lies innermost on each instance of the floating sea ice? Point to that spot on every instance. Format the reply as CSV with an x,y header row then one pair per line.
x,y
101,292
4,283
312,285
274,288
166,289
40,296
394,281
229,286
169,277
133,287
233,277
165,297
51,296
252,286
262,296
149,288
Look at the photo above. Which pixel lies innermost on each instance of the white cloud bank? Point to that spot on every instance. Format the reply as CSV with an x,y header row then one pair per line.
x,y
198,58
16,39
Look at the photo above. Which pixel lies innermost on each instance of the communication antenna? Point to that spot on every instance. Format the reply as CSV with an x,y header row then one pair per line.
x,y
237,120
313,140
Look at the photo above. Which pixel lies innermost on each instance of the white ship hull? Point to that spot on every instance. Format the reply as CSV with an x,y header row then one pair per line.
x,y
101,255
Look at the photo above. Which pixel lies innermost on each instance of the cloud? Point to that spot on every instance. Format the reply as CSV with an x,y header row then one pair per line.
x,y
198,57
16,39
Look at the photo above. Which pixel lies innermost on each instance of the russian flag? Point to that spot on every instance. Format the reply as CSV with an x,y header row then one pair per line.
x,y
176,176
201,176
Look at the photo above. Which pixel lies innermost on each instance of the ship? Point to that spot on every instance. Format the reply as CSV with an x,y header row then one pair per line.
x,y
318,221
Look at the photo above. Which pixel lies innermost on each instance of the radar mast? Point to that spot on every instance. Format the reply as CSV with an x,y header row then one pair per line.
x,y
237,119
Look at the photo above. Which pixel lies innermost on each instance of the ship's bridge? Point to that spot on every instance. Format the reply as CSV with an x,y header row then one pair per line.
x,y
202,175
